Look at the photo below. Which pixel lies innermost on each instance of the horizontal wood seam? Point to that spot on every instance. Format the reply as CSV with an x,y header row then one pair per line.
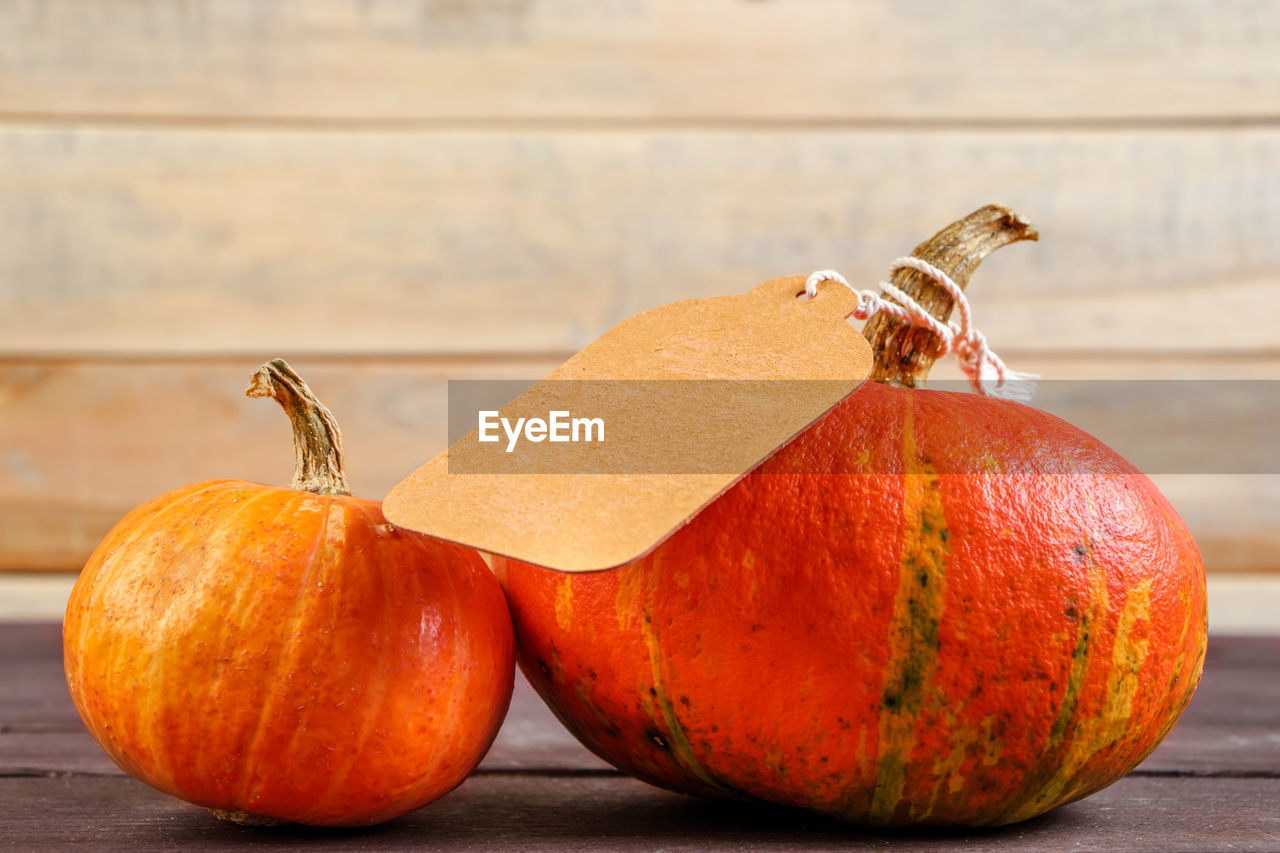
x,y
326,358
317,358
609,772
1209,774
587,123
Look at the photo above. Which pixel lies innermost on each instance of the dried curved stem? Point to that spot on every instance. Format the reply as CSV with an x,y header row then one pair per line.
x,y
317,441
905,353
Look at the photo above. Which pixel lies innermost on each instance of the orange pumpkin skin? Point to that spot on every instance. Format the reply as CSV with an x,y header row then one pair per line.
x,y
288,655
980,613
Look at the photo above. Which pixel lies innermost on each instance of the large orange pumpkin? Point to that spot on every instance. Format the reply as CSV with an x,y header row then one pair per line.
x,y
977,612
284,654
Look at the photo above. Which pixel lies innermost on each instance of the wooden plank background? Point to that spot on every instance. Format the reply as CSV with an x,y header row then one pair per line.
x,y
763,60
393,193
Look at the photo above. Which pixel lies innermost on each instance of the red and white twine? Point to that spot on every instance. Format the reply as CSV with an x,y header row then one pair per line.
x,y
986,371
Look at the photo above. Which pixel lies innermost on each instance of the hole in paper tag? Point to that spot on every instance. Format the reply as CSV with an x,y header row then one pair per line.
x,y
670,407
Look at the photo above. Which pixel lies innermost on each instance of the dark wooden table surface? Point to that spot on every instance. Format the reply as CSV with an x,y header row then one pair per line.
x,y
1213,785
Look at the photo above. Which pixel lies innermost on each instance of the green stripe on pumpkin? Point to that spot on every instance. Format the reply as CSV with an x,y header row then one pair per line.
x,y
913,630
674,740
1046,784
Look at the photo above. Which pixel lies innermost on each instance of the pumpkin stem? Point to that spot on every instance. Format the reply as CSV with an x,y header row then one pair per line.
x,y
904,353
317,441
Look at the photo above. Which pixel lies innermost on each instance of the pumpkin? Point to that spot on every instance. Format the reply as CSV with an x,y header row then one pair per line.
x,y
285,654
930,607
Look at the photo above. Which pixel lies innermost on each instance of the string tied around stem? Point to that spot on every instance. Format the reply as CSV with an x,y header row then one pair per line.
x,y
986,371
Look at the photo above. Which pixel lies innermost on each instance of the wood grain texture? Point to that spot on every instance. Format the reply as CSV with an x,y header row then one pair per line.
x,y
82,443
640,59
580,814
531,740
33,691
1229,727
145,241
366,183
540,791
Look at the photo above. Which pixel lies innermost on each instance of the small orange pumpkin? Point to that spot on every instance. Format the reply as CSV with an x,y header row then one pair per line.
x,y
285,654
975,613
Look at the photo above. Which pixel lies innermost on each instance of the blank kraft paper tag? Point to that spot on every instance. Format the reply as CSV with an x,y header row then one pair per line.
x,y
602,460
